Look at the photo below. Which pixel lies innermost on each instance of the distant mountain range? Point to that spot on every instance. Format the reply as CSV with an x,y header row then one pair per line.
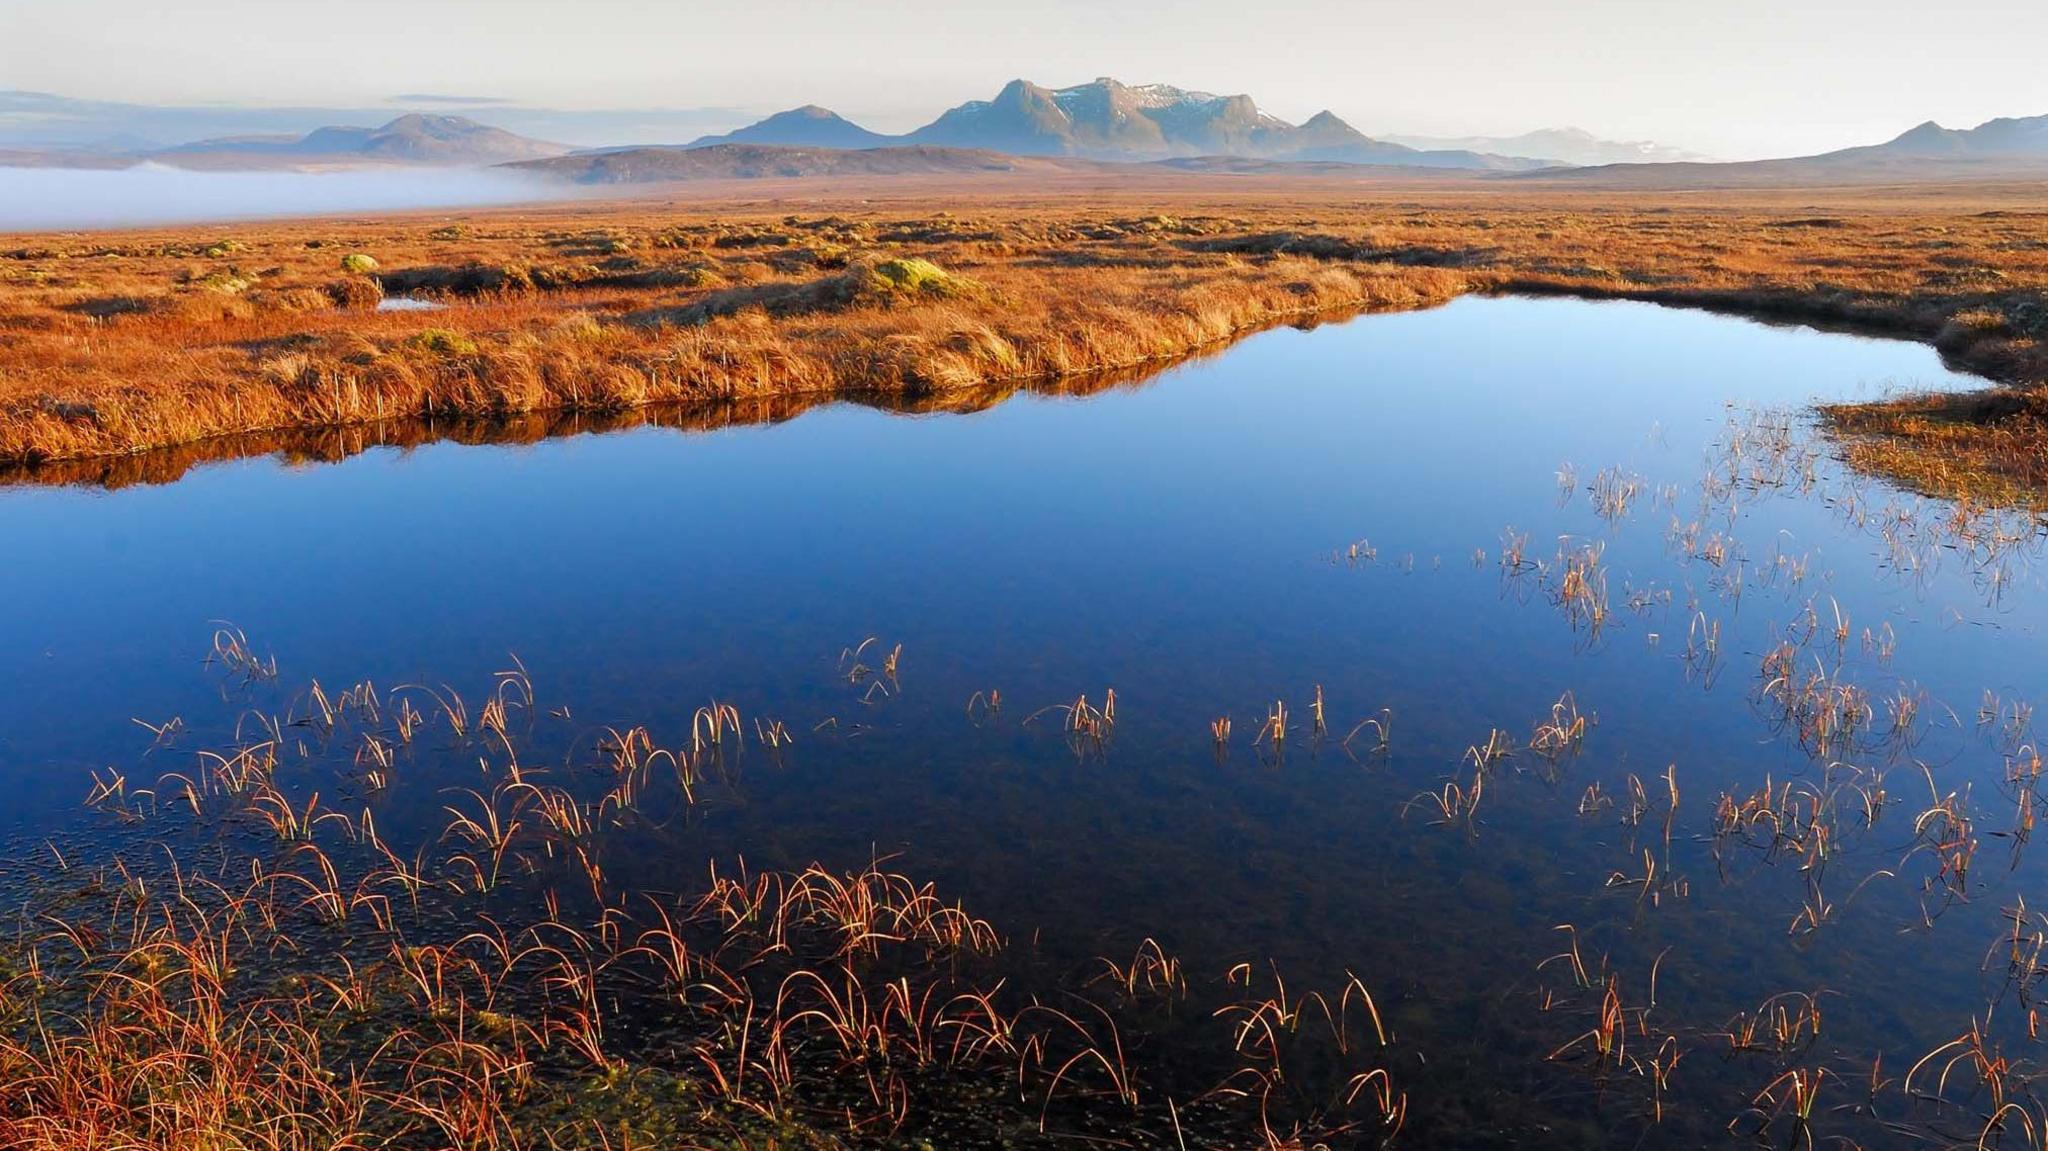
x,y
1995,149
1562,146
765,162
415,138
42,121
2027,136
1101,127
1109,120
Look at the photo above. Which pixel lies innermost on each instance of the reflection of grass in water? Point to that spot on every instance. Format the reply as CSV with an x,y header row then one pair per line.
x,y
272,329
299,446
600,325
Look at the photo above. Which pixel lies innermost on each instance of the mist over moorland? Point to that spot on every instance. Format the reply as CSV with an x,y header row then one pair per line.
x,y
45,199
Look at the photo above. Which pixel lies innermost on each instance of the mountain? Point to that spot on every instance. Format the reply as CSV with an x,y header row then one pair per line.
x,y
712,162
1996,149
807,127
1325,138
42,121
415,138
2003,138
1109,120
1028,120
63,158
1572,146
763,162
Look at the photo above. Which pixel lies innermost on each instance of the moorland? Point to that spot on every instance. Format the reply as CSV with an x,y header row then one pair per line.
x,y
931,292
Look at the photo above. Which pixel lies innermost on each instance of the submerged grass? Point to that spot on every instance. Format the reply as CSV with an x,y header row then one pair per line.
x,y
287,978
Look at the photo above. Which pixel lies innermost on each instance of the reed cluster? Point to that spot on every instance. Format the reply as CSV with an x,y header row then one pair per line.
x,y
270,970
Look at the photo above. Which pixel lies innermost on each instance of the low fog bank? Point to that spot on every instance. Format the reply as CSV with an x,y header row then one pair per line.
x,y
49,199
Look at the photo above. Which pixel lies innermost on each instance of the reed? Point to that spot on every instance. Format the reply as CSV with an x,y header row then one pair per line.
x,y
1564,733
454,998
1382,728
1274,730
985,707
453,995
1791,1097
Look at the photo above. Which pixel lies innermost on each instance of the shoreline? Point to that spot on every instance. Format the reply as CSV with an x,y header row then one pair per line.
x,y
259,330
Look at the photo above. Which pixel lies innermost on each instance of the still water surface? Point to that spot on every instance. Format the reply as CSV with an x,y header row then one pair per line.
x,y
1323,508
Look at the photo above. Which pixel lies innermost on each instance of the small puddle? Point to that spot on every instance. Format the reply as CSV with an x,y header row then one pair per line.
x,y
408,304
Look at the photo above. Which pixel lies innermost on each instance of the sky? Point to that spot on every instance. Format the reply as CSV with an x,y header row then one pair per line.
x,y
1733,78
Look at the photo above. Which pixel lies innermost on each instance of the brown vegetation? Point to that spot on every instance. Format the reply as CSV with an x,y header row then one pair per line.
x,y
305,984
1986,448
120,343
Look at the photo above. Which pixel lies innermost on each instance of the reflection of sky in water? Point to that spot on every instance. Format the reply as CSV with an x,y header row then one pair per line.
x,y
1173,541
408,304
47,199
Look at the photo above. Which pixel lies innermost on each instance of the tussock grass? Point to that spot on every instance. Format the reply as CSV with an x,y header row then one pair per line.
x,y
1984,448
188,363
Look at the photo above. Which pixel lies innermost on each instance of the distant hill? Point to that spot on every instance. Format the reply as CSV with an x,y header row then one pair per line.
x,y
761,162
2004,138
1323,138
1573,146
42,121
62,158
1929,153
409,139
1109,120
807,127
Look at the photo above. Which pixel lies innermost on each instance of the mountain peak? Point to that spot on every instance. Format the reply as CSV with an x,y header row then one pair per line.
x,y
810,126
413,138
814,114
1925,130
433,124
2004,137
1106,119
1110,120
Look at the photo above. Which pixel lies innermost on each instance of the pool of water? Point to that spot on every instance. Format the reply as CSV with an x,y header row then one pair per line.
x,y
408,304
1457,515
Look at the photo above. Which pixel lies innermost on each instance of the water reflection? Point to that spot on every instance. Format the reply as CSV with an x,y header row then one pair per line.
x,y
1582,567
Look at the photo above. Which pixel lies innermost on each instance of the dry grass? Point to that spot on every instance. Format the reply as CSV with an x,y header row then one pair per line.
x,y
1985,448
286,980
121,343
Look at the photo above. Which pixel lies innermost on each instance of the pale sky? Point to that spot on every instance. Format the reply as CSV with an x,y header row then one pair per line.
x,y
1736,78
